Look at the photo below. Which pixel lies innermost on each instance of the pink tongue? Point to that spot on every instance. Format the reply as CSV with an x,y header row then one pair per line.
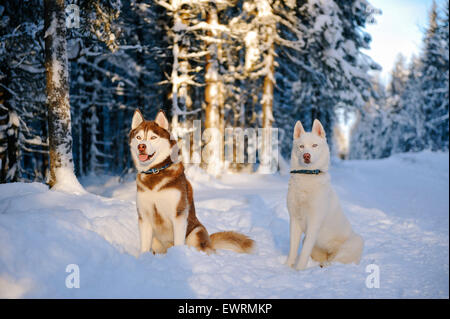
x,y
143,157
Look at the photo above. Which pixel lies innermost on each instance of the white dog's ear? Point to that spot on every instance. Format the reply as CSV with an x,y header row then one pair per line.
x,y
138,118
298,130
318,128
161,120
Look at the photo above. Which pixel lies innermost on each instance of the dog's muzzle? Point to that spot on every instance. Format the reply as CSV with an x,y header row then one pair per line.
x,y
143,155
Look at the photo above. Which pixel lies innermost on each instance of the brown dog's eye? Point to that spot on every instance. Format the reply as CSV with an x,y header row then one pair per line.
x,y
153,137
314,145
138,137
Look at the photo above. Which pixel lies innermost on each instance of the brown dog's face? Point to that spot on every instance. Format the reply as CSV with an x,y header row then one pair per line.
x,y
150,141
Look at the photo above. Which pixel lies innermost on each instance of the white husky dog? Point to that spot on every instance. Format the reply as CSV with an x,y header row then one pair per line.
x,y
314,207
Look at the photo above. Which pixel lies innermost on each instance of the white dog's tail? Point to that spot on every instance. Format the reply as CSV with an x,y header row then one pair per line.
x,y
232,241
351,250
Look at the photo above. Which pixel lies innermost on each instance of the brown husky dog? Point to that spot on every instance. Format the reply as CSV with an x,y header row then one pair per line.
x,y
165,201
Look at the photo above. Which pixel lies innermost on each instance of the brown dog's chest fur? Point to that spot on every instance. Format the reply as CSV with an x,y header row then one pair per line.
x,y
172,178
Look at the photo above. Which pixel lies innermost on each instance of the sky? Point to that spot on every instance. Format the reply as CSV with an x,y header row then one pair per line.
x,y
398,29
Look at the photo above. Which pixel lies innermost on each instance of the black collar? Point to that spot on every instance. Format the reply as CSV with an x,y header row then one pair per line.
x,y
306,171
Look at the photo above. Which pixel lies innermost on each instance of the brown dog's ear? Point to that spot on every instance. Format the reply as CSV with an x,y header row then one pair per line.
x,y
161,120
138,118
298,130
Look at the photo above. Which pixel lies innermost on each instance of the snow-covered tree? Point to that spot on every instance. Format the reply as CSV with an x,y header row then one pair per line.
x,y
57,78
408,121
183,28
371,126
22,82
414,114
399,76
273,25
240,63
434,80
331,72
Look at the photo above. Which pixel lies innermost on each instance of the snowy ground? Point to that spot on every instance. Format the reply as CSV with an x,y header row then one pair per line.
x,y
399,205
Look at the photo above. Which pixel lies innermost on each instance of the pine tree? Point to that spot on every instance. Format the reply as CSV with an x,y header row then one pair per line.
x,y
257,61
408,118
399,76
331,72
394,108
370,136
414,115
434,81
22,83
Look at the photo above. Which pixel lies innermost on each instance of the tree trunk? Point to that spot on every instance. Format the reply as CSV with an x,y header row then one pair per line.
x,y
4,120
181,101
214,101
267,99
268,160
59,122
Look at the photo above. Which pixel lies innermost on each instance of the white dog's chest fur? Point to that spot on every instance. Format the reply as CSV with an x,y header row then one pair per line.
x,y
305,191
311,199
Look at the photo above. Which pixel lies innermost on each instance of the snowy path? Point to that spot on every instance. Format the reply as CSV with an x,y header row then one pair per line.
x,y
399,205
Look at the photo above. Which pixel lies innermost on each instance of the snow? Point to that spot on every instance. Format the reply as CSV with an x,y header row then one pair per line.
x,y
399,205
58,68
14,119
31,68
264,8
51,31
66,180
252,52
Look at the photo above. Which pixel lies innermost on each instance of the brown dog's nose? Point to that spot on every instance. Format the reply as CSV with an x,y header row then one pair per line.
x,y
306,156
141,147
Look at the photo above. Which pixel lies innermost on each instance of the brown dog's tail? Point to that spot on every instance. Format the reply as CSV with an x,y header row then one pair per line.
x,y
232,241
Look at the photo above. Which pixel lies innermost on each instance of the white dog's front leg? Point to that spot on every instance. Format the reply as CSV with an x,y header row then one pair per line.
x,y
308,244
295,236
179,230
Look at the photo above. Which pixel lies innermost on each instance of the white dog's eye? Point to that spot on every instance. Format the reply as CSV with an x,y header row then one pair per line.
x,y
153,137
315,145
138,137
302,146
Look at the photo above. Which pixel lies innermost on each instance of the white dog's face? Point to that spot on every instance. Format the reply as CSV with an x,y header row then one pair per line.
x,y
150,141
310,149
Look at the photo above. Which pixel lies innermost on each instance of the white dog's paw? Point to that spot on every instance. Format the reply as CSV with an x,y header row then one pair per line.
x,y
290,262
309,264
325,264
312,263
300,267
